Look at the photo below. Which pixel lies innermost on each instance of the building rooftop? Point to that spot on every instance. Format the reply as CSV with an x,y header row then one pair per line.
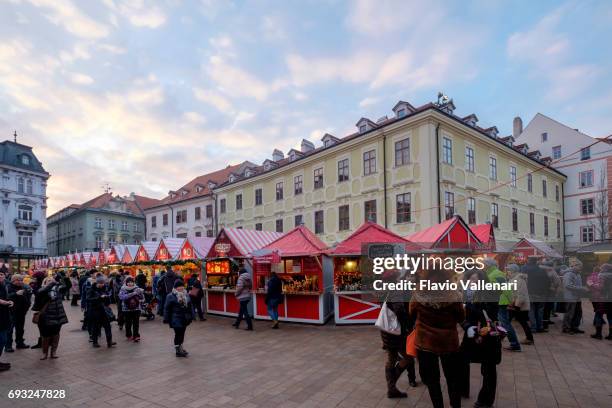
x,y
20,156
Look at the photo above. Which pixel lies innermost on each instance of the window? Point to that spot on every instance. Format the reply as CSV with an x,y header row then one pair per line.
x,y
298,220
447,150
471,208
222,206
369,209
258,226
209,233
558,228
401,113
209,211
343,218
98,223
343,170
24,212
238,201
544,189
586,178
124,226
402,152
530,183
557,193
362,128
29,186
25,159
469,159
279,225
279,191
369,162
585,153
587,206
99,242
153,222
111,224
198,234
495,215
198,213
587,234
258,196
513,176
182,235
165,220
403,204
297,185
25,239
318,178
531,223
556,150
544,137
136,227
181,216
111,241
319,222
545,226
492,168
514,220
449,205
20,185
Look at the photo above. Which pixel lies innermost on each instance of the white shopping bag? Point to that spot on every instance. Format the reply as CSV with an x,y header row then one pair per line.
x,y
387,321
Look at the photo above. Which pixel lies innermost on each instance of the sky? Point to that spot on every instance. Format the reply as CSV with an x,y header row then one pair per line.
x,y
146,95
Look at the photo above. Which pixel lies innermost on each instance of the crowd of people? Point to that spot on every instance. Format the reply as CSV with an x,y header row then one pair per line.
x,y
431,322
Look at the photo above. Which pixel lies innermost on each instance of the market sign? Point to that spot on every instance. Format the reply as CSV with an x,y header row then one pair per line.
x,y
384,250
223,248
218,267
271,258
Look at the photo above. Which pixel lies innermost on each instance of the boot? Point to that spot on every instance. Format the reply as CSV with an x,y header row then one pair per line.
x,y
183,350
45,348
392,391
597,334
54,344
609,336
275,325
179,352
38,344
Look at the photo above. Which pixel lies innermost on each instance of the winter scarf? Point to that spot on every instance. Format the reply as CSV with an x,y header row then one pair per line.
x,y
180,296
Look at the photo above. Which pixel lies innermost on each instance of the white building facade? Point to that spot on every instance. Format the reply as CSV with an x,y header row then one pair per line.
x,y
23,230
587,162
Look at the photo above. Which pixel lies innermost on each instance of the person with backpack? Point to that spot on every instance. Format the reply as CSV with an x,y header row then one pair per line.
x,y
243,294
178,314
131,297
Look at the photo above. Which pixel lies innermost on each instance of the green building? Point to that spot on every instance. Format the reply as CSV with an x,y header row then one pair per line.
x,y
97,224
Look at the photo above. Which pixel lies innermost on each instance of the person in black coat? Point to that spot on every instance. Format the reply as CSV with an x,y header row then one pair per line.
x,y
274,297
196,295
141,280
5,318
178,314
538,286
98,301
50,313
21,295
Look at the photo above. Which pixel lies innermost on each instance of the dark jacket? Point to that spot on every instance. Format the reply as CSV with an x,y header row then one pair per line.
x,y
141,280
21,302
169,279
96,302
54,314
538,282
394,342
176,314
82,281
5,315
195,283
274,294
489,349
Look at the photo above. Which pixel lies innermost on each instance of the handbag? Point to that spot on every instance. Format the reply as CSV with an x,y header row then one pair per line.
x,y
109,314
36,316
411,348
194,292
387,321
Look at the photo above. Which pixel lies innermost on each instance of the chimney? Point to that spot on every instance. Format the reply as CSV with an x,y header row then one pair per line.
x,y
517,127
307,146
382,119
277,155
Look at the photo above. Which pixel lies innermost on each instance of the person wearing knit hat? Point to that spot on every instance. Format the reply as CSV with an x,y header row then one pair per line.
x,y
98,302
178,314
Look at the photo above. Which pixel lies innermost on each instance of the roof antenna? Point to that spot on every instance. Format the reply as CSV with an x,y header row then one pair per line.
x,y
15,136
107,188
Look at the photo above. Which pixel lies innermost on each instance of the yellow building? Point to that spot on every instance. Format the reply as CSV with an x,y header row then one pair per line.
x,y
407,172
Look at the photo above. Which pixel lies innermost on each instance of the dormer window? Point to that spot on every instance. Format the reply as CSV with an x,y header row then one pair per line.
x,y
232,178
249,172
211,185
401,113
25,159
471,120
199,189
492,131
294,154
402,108
365,124
269,165
184,192
329,140
363,128
172,195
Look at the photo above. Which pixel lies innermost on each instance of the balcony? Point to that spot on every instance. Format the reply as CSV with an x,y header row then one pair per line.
x,y
30,224
30,251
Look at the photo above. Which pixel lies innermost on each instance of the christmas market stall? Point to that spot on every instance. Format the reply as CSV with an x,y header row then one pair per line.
x,y
170,251
129,254
527,247
231,251
451,235
297,257
354,301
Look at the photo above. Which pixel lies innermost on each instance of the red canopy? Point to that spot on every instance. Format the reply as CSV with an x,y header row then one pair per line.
x,y
300,241
369,232
485,234
452,233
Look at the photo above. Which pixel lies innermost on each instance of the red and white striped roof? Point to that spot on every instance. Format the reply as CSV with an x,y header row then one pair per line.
x,y
129,253
201,246
173,245
247,241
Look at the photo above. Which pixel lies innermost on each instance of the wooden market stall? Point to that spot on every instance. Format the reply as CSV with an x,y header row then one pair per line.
x,y
452,234
527,247
129,254
297,258
230,251
353,299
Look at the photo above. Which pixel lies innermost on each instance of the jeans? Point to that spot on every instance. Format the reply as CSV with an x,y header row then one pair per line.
x,y
273,311
132,323
17,325
504,318
244,314
179,335
536,316
573,316
429,371
3,339
97,330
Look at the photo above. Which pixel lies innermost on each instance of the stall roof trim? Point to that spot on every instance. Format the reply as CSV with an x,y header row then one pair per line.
x,y
201,245
247,241
454,230
173,245
300,241
540,246
368,232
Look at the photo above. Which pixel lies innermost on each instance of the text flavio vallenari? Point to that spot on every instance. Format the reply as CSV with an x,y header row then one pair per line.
x,y
426,284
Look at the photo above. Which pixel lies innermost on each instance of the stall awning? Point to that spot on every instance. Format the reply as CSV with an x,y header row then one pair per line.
x,y
533,247
146,251
200,245
300,241
168,249
486,234
369,232
129,253
452,233
240,242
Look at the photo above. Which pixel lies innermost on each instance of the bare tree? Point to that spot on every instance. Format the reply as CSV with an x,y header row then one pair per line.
x,y
601,208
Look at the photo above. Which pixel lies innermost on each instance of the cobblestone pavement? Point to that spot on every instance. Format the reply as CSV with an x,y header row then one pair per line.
x,y
297,366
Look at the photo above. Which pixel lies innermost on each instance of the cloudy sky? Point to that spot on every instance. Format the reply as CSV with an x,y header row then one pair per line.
x,y
146,95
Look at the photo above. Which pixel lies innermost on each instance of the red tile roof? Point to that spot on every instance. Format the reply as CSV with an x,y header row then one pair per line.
x,y
369,232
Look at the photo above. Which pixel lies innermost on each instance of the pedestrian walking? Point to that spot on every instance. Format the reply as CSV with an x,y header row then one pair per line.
x,y
178,314
132,298
196,294
243,294
538,284
573,292
519,305
159,285
49,314
36,284
116,284
274,297
75,289
5,318
98,310
141,279
21,296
